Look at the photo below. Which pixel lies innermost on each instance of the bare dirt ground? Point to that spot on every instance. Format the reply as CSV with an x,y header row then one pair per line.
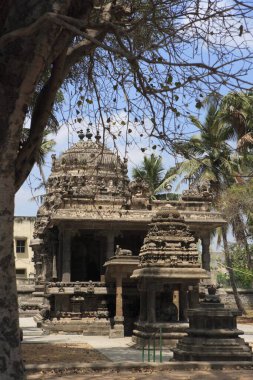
x,y
147,375
44,353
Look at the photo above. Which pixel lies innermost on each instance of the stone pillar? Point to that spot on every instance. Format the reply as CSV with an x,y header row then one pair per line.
x,y
205,239
143,306
109,244
151,306
176,301
183,303
66,256
54,246
119,300
54,269
193,296
44,267
118,328
37,245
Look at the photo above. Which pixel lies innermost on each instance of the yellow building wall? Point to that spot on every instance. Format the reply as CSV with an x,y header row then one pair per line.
x,y
23,233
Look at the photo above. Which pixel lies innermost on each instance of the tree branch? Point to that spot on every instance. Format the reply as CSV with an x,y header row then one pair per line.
x,y
44,103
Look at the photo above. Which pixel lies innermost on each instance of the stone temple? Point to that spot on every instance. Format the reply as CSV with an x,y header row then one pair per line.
x,y
90,256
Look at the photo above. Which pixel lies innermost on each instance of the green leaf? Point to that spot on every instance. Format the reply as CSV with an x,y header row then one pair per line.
x,y
198,104
169,79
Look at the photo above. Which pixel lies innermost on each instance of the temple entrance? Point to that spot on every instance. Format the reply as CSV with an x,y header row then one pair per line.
x,y
87,257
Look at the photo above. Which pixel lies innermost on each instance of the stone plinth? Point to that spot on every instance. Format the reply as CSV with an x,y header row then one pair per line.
x,y
151,332
212,335
87,326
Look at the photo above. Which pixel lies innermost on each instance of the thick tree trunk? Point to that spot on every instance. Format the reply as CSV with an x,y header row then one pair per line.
x,y
11,367
231,272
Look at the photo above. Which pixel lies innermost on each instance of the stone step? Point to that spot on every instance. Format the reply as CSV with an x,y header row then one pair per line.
x,y
35,332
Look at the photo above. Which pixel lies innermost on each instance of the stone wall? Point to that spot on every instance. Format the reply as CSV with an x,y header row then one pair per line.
x,y
246,296
28,304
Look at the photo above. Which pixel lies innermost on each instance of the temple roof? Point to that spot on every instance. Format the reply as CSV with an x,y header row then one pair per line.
x,y
169,250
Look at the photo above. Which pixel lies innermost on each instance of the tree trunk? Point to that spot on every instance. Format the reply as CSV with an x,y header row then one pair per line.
x,y
241,238
231,272
11,366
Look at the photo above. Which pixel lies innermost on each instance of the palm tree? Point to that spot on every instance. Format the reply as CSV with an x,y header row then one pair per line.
x,y
209,158
45,148
236,113
152,172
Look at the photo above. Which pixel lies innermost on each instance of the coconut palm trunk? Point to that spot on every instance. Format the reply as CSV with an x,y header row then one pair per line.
x,y
231,272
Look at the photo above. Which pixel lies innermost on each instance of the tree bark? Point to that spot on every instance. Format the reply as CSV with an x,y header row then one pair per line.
x,y
11,366
22,63
241,238
231,272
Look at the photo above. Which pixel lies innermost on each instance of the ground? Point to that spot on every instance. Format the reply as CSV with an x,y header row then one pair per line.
x,y
64,348
147,375
36,353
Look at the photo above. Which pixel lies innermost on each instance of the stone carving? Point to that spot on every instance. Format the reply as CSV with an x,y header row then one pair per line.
x,y
169,242
91,287
198,191
123,252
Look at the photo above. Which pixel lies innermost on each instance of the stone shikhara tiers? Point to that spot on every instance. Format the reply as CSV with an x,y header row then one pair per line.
x,y
93,267
169,270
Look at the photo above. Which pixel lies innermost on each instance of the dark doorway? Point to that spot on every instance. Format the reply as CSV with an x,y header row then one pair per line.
x,y
87,257
132,240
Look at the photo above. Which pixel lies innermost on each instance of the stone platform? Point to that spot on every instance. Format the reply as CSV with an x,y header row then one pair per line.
x,y
213,335
87,326
170,333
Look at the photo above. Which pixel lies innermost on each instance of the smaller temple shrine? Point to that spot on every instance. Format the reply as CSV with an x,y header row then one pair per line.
x,y
212,334
169,270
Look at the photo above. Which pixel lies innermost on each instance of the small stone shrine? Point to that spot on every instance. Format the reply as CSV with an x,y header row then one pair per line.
x,y
212,334
169,269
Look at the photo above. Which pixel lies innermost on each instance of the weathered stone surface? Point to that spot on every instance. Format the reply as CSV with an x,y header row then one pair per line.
x,y
212,335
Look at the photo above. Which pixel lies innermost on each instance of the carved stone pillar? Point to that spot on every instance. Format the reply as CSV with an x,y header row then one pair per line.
x,y
143,306
193,296
44,267
119,300
205,239
176,300
118,329
109,244
36,245
183,303
151,306
66,256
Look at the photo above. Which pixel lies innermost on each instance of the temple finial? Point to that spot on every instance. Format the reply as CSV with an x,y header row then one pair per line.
x,y
80,134
88,134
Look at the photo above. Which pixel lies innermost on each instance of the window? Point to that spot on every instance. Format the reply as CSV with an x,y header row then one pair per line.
x,y
21,273
20,246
